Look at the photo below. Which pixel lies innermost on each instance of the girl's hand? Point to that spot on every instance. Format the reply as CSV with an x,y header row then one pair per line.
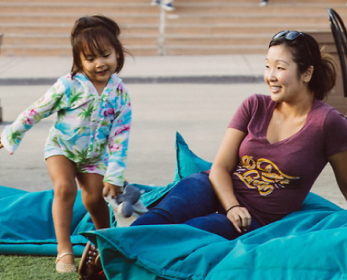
x,y
240,218
2,146
111,190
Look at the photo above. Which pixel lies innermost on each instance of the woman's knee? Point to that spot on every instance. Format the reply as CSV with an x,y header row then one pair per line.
x,y
192,197
197,183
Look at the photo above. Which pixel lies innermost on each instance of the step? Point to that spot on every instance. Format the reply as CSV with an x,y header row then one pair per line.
x,y
214,50
244,18
196,2
64,18
212,8
195,27
38,2
255,2
39,30
63,41
171,24
48,50
86,8
209,40
236,29
58,29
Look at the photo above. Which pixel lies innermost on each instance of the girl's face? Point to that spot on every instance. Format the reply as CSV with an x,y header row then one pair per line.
x,y
281,75
100,67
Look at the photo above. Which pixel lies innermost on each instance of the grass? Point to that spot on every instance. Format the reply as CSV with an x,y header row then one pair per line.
x,y
32,267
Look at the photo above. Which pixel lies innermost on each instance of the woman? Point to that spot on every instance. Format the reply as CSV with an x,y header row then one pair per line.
x,y
273,150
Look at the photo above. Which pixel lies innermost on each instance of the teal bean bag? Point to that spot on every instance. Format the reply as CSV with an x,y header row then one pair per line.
x,y
26,224
308,244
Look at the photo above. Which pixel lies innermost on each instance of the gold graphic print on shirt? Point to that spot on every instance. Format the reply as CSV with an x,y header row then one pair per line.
x,y
262,174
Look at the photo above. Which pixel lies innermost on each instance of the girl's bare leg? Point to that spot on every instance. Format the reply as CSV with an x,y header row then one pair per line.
x,y
63,173
93,200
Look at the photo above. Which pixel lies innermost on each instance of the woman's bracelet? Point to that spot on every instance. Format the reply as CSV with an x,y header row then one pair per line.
x,y
236,205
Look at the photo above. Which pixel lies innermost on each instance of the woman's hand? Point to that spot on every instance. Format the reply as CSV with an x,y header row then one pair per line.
x,y
112,190
240,218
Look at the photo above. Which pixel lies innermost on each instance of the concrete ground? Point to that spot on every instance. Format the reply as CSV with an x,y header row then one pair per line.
x,y
195,96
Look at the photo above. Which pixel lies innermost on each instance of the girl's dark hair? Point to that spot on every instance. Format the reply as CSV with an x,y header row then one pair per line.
x,y
91,34
306,52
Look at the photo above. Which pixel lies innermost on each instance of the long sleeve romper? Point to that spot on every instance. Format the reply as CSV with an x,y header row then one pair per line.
x,y
91,130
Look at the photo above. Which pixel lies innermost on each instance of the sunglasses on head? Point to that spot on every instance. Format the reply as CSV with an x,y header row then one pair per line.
x,y
288,35
291,36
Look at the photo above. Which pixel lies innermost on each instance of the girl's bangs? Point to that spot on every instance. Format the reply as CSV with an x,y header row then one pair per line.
x,y
93,42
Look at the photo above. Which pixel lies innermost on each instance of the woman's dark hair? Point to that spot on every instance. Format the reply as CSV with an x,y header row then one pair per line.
x,y
306,52
91,34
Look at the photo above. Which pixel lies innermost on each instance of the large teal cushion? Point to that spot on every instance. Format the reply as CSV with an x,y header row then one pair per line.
x,y
307,244
187,162
26,224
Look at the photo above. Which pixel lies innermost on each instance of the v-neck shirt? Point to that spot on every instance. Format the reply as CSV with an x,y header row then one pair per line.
x,y
272,180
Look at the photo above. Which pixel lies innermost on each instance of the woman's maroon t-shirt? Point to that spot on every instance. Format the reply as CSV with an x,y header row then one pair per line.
x,y
272,180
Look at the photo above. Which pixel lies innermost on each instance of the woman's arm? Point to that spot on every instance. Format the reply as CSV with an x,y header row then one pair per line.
x,y
339,165
220,177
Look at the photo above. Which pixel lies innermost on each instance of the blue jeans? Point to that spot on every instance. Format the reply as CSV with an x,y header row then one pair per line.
x,y
193,202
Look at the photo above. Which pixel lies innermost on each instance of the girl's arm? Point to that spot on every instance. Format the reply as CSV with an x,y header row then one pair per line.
x,y
118,144
220,177
1,146
42,108
339,163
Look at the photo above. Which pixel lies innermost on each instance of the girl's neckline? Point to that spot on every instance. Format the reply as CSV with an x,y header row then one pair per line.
x,y
93,86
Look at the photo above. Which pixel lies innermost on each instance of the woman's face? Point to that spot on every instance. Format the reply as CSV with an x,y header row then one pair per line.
x,y
281,75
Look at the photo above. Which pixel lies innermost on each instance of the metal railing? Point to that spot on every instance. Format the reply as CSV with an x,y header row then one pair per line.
x,y
340,36
161,35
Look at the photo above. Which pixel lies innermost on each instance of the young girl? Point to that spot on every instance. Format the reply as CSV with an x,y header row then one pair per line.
x,y
89,138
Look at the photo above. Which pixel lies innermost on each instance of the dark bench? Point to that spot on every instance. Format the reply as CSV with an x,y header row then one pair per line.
x,y
335,43
337,98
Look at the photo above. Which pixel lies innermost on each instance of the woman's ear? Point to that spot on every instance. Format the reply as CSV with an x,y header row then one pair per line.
x,y
308,74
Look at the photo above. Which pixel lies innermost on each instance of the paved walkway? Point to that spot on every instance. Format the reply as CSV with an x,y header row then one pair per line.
x,y
157,69
194,95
